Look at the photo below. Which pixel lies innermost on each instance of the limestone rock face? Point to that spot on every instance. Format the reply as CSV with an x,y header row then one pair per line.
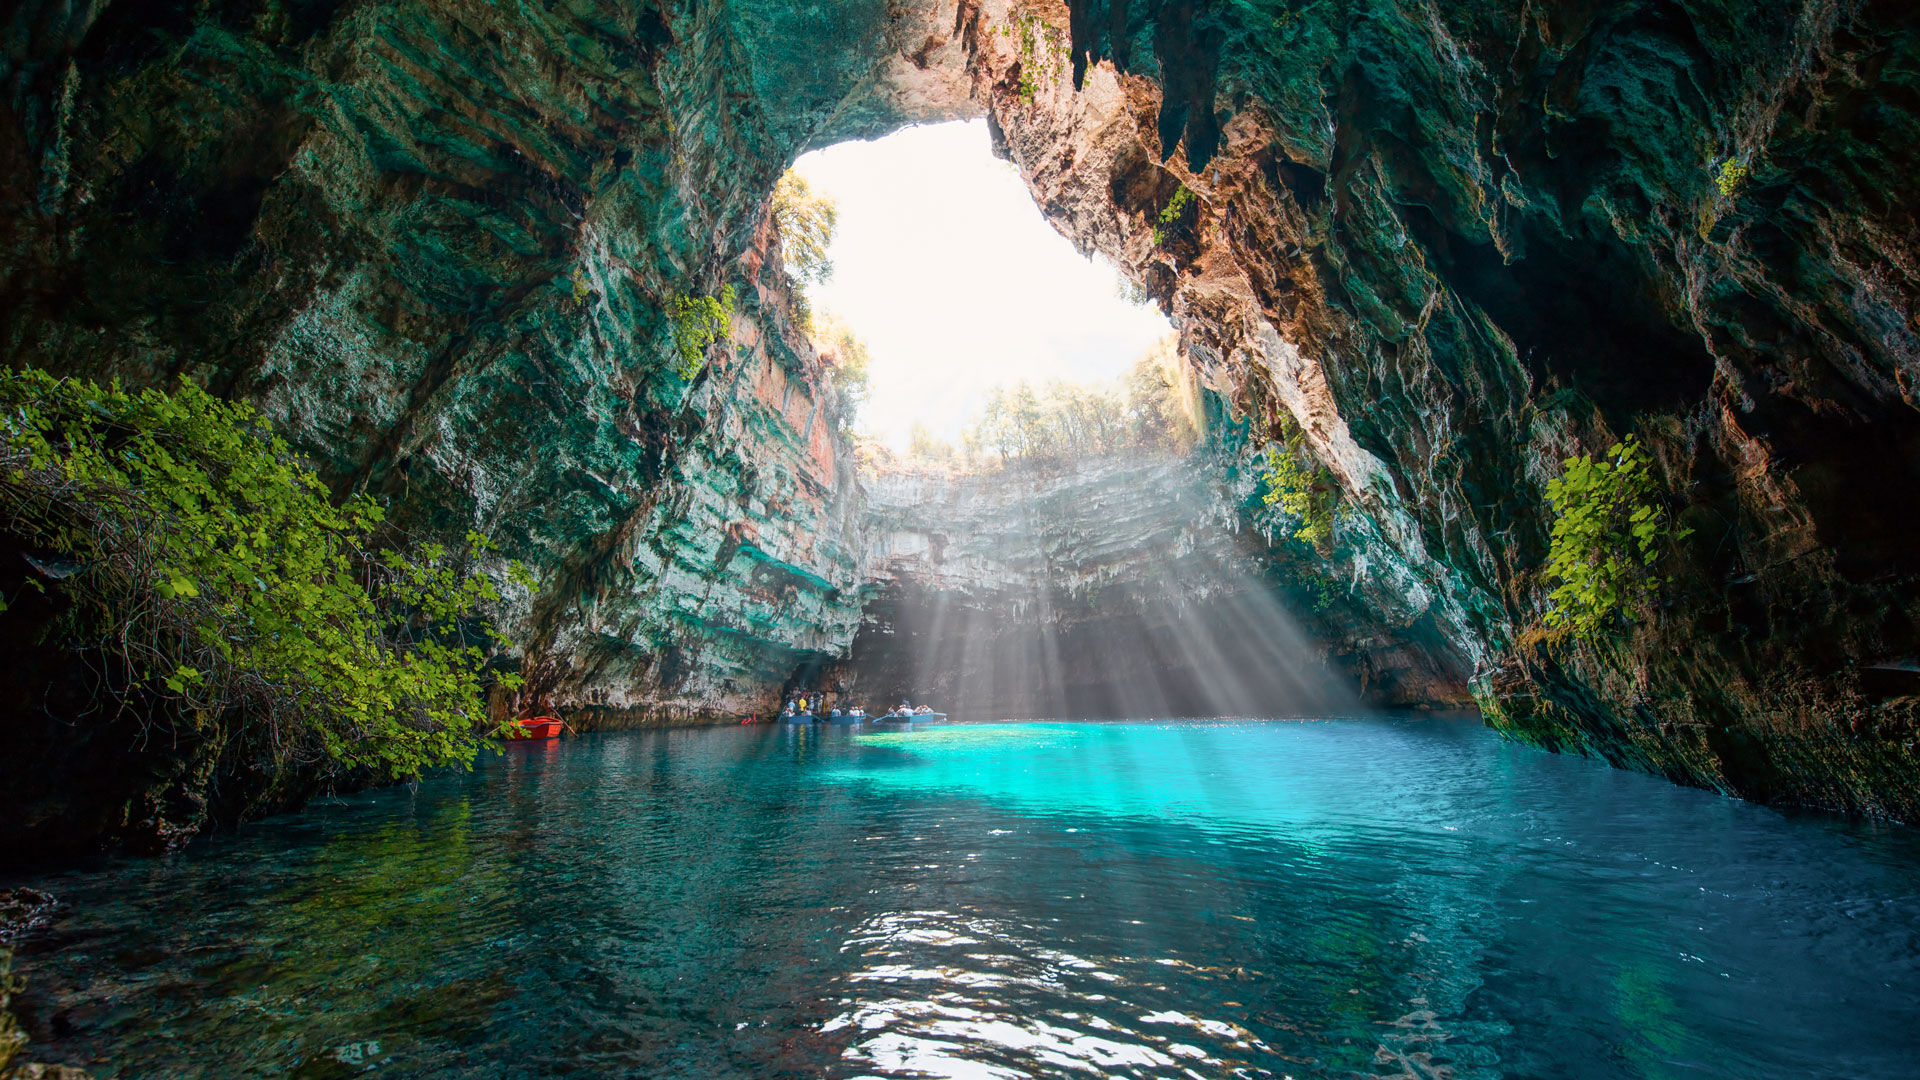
x,y
435,243
1455,243
1459,243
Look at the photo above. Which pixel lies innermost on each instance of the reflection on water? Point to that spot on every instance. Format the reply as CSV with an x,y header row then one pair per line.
x,y
1346,898
960,1018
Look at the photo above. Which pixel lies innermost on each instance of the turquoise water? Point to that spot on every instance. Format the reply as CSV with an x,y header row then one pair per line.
x,y
1403,898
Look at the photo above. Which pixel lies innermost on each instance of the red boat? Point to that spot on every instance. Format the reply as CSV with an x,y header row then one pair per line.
x,y
534,729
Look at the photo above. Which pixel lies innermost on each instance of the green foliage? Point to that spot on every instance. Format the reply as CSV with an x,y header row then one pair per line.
x,y
1732,177
1161,398
1042,51
924,446
850,361
1151,409
806,220
1170,214
218,580
1608,533
1310,576
13,1038
1132,292
699,321
1305,492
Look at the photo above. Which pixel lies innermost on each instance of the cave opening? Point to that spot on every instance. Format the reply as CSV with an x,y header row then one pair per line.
x,y
942,266
1054,525
503,281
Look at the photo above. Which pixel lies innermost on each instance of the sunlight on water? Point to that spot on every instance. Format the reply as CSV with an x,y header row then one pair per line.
x,y
1196,773
1272,784
1365,897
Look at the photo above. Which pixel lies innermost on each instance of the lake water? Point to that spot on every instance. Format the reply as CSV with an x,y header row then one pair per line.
x,y
1382,897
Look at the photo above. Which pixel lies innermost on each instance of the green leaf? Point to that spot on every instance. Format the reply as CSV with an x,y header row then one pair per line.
x,y
1607,535
294,596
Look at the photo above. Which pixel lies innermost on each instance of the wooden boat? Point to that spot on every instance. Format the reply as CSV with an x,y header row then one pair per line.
x,y
797,718
534,729
902,718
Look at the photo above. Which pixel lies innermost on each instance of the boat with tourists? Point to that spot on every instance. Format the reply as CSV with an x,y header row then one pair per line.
x,y
797,711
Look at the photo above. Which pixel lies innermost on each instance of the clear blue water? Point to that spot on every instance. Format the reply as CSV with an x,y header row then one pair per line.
x,y
1403,898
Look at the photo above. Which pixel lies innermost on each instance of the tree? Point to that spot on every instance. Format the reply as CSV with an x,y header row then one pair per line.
x,y
922,444
207,573
1153,410
806,220
1162,402
850,362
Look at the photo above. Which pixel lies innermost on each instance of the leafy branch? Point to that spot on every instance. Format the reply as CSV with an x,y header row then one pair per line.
x,y
699,321
1608,533
1305,492
210,570
1170,214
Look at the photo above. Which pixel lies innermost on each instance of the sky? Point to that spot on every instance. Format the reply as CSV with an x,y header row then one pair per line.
x,y
945,267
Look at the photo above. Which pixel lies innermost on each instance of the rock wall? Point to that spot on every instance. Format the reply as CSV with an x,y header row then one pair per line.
x,y
1459,243
1117,589
1455,243
435,242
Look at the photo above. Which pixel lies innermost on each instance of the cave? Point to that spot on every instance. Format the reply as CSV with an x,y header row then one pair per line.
x,y
1437,274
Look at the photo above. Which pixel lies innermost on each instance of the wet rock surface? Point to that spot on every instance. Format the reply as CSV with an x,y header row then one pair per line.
x,y
23,910
19,908
436,244
1454,244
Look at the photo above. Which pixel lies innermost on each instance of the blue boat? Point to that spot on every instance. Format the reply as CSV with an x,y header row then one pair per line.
x,y
904,718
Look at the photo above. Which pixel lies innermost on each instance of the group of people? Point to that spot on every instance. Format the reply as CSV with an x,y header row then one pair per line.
x,y
800,705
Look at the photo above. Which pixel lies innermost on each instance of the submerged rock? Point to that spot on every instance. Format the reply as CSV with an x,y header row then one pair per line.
x,y
13,1038
23,910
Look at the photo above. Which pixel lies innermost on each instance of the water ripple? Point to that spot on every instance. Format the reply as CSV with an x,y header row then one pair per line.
x,y
1350,899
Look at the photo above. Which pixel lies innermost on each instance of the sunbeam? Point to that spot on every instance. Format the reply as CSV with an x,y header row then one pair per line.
x,y
1006,594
